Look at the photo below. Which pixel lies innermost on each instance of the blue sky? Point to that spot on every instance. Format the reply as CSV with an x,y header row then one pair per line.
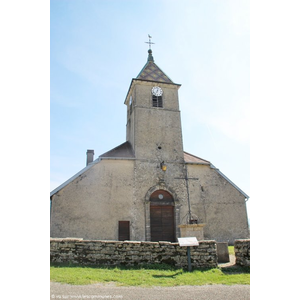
x,y
97,47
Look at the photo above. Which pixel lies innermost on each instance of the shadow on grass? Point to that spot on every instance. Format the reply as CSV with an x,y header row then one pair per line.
x,y
121,267
235,269
168,276
159,267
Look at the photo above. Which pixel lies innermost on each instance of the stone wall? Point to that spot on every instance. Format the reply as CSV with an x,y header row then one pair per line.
x,y
211,199
91,205
242,252
130,253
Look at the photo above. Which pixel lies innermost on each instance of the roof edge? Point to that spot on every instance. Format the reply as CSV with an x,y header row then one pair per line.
x,y
125,144
207,162
152,62
74,177
145,80
117,158
158,82
226,178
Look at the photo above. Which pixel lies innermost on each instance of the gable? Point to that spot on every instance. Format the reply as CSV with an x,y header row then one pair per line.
x,y
122,151
195,160
74,177
227,179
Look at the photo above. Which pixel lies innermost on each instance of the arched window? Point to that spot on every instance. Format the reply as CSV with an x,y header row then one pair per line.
x,y
157,101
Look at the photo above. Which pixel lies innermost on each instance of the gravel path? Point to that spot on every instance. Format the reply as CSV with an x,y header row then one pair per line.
x,y
228,264
110,291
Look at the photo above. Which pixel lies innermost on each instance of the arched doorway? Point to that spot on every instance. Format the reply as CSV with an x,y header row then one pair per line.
x,y
162,216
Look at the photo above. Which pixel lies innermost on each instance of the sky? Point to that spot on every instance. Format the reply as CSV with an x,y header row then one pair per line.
x,y
97,47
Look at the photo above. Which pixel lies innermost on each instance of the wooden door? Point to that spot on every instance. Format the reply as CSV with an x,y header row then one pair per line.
x,y
162,223
124,230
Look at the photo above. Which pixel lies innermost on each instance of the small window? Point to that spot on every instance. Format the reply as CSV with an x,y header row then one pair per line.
x,y
157,101
124,230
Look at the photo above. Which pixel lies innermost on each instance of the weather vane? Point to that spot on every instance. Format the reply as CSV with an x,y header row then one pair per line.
x,y
150,43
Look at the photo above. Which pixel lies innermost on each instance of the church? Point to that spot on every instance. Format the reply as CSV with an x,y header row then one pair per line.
x,y
149,188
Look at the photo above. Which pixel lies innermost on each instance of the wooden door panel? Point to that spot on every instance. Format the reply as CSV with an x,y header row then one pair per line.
x,y
162,223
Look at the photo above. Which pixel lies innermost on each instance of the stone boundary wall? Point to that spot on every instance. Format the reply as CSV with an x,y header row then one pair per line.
x,y
242,252
130,253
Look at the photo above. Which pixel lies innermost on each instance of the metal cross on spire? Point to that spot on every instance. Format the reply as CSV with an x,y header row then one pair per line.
x,y
150,43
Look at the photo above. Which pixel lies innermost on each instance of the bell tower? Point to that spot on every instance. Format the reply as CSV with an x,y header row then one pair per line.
x,y
153,117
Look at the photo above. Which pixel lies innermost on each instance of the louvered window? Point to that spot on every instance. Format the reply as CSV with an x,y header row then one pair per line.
x,y
130,104
157,101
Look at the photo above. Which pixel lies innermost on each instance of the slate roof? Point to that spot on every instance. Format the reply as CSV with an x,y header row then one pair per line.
x,y
152,72
190,158
124,150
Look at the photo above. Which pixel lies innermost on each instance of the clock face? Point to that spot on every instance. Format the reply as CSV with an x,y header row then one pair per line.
x,y
157,91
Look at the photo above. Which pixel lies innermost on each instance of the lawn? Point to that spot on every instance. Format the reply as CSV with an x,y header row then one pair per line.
x,y
157,275
231,250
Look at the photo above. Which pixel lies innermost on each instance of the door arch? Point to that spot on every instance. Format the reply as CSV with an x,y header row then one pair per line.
x,y
162,222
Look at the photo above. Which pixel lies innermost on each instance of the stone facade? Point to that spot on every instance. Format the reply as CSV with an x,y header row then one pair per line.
x,y
242,252
130,253
218,204
111,190
91,205
117,186
192,230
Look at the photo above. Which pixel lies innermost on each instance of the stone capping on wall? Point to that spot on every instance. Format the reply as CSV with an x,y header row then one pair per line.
x,y
130,253
242,252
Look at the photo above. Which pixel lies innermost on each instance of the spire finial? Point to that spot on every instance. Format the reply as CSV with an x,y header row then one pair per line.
x,y
150,43
150,57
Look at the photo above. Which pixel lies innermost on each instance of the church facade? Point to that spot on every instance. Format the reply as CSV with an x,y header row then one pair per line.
x,y
145,188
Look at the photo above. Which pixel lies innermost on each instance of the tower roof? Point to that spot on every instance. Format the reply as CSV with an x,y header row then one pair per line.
x,y
152,72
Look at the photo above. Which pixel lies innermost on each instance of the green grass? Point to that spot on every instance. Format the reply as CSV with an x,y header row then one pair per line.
x,y
231,250
157,275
